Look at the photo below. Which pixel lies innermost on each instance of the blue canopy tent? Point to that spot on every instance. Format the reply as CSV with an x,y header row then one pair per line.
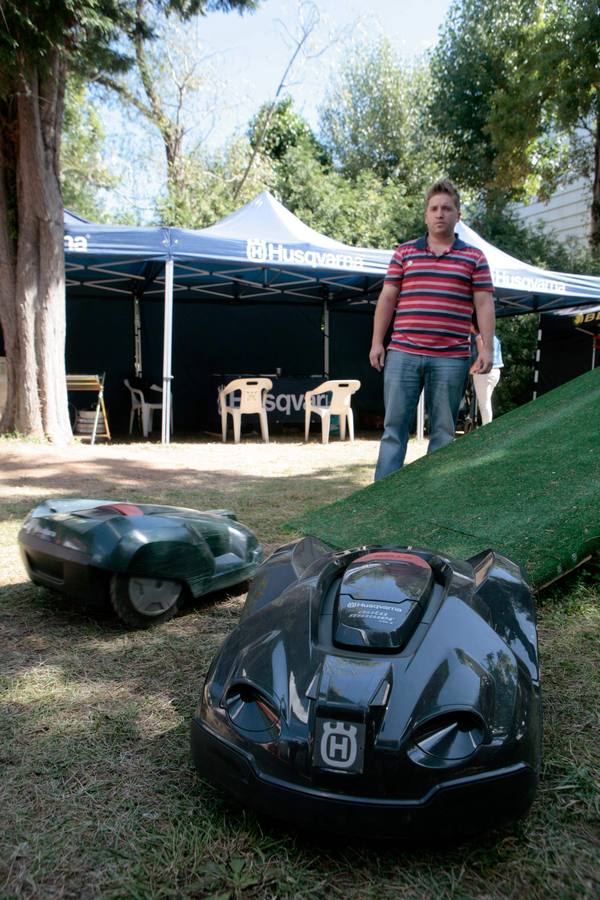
x,y
280,280
260,259
117,262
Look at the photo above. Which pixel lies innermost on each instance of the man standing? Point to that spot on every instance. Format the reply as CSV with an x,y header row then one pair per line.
x,y
433,285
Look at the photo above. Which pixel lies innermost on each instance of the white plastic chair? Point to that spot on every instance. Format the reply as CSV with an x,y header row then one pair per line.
x,y
338,405
252,397
143,409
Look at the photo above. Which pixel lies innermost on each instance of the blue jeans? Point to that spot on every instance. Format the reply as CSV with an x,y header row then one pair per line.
x,y
404,377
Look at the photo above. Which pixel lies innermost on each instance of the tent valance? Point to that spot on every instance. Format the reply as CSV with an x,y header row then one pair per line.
x,y
520,287
263,252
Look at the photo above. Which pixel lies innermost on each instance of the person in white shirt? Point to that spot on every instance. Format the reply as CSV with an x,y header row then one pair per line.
x,y
485,384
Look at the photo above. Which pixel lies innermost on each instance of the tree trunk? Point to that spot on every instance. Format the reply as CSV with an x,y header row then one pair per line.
x,y
8,263
32,262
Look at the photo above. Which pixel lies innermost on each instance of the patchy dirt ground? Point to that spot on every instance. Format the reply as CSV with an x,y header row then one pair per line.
x,y
28,469
203,474
250,456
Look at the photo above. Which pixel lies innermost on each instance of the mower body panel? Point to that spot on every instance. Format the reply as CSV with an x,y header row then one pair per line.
x,y
74,545
386,691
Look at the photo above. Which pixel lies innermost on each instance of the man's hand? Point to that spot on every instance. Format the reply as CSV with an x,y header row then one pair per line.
x,y
377,357
384,312
483,363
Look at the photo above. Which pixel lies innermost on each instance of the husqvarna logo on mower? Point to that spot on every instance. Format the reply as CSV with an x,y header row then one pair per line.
x,y
339,745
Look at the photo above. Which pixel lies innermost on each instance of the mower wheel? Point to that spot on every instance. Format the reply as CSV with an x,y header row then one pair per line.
x,y
140,602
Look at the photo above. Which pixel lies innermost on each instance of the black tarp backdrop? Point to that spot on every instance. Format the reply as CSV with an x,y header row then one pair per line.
x,y
213,339
209,339
567,347
100,339
350,332
218,338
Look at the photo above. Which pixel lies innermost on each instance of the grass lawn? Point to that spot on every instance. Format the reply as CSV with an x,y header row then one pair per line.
x,y
527,485
98,796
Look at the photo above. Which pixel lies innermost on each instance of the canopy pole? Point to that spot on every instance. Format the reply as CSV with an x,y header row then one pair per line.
x,y
137,332
167,353
326,340
538,355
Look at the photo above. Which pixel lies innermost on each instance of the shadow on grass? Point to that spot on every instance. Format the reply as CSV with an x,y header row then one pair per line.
x,y
108,478
99,786
99,795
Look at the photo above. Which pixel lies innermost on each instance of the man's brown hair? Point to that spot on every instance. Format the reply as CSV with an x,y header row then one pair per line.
x,y
443,186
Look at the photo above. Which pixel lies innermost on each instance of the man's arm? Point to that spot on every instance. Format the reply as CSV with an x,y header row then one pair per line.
x,y
386,304
486,321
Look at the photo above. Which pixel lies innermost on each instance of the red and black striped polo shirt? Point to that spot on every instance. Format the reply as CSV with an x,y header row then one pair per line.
x,y
435,303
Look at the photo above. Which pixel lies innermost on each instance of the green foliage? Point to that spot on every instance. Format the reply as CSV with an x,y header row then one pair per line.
x,y
532,244
372,118
374,126
93,38
558,69
207,185
585,261
89,33
363,211
34,29
82,169
187,8
518,336
343,186
162,85
470,62
276,128
515,93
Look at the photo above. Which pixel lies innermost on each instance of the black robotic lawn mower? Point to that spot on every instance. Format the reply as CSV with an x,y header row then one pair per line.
x,y
377,692
143,558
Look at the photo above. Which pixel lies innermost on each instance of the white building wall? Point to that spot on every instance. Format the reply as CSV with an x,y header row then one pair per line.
x,y
566,215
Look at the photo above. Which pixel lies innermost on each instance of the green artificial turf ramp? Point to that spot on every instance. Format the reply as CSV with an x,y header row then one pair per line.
x,y
527,485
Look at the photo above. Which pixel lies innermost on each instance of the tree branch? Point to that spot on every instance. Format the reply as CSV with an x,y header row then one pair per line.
x,y
125,93
306,30
158,116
